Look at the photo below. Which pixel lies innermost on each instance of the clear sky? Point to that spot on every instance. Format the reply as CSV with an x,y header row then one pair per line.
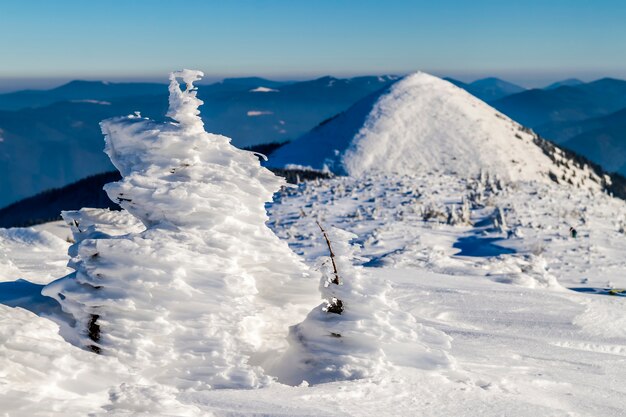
x,y
528,41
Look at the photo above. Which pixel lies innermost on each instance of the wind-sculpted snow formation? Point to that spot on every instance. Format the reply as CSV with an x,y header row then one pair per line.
x,y
422,123
474,299
356,332
203,288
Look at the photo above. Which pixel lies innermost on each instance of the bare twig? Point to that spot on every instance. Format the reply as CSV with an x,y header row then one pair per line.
x,y
332,254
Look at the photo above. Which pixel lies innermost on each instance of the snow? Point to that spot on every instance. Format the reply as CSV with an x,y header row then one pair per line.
x,y
16,255
184,105
463,294
262,89
91,101
193,273
42,375
514,347
355,333
253,113
422,123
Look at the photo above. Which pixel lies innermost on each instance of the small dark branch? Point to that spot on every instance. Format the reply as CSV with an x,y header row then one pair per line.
x,y
335,306
76,225
94,332
335,334
332,254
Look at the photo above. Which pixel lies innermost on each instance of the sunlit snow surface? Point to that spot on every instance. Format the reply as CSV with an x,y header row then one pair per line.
x,y
471,297
522,344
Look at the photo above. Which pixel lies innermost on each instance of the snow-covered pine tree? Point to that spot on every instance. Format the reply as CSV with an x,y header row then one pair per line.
x,y
356,332
206,285
499,219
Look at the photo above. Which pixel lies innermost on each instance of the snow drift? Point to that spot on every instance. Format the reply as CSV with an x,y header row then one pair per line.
x,y
422,123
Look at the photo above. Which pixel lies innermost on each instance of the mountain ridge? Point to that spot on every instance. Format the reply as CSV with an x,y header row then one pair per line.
x,y
424,123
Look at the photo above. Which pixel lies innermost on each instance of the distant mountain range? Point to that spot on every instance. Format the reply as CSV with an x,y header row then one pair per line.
x,y
541,108
417,124
587,118
423,124
488,89
77,91
603,140
570,82
50,138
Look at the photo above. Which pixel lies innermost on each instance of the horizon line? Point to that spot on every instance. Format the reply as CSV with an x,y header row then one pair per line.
x,y
541,80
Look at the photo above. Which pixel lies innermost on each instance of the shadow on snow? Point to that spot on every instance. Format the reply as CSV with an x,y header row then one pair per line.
x,y
477,246
616,292
27,295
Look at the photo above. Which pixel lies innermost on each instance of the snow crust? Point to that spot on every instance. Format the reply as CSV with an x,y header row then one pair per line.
x,y
422,123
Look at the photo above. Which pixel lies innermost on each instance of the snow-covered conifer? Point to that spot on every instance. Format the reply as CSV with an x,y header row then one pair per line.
x,y
499,220
188,300
356,332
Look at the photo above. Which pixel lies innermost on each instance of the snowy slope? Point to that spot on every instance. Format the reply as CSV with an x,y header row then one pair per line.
x,y
16,260
464,295
420,124
518,347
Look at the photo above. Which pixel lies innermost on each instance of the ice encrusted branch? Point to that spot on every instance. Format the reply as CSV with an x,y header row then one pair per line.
x,y
335,280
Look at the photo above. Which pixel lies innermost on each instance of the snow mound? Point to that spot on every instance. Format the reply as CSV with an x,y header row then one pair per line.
x,y
16,261
39,367
357,332
196,288
529,271
422,123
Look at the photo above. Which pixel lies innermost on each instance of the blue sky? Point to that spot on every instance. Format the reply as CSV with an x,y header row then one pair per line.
x,y
529,42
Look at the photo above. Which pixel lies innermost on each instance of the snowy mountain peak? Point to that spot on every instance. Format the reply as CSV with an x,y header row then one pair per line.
x,y
424,123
